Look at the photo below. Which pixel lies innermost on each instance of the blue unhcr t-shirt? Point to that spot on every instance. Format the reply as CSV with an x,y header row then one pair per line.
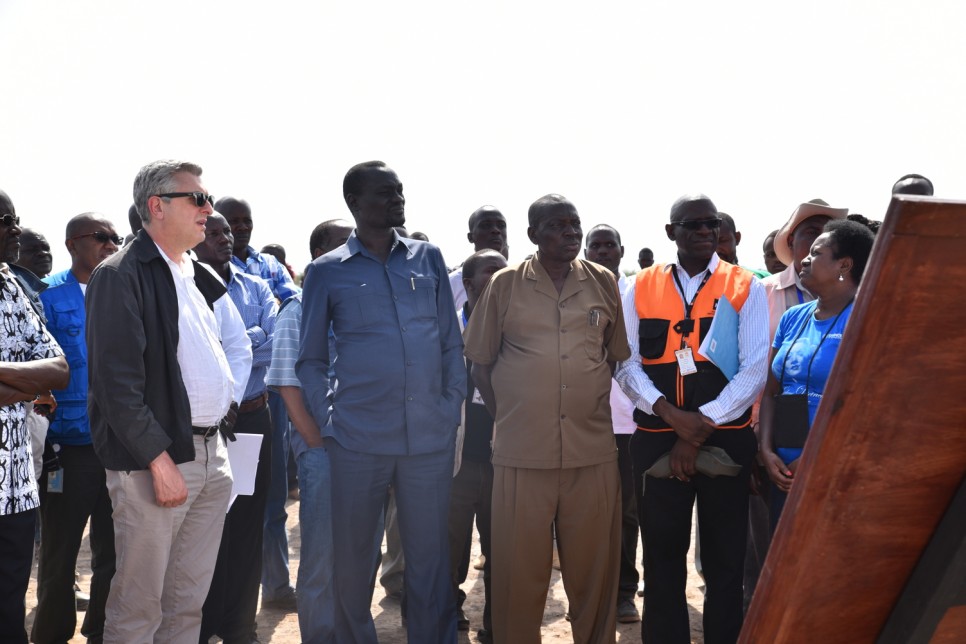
x,y
799,354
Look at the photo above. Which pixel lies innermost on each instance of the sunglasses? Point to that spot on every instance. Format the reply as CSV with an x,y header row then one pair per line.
x,y
102,238
696,224
10,220
199,197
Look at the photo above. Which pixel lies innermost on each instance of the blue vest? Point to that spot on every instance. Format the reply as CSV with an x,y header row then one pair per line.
x,y
64,306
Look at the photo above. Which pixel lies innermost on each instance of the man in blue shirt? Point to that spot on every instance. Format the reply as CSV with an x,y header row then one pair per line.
x,y
82,491
277,592
393,414
232,601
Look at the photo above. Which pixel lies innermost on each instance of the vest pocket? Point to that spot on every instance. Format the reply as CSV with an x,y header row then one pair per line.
x,y
704,325
653,337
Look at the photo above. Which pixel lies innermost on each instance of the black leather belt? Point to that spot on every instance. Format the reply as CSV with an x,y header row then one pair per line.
x,y
210,430
207,432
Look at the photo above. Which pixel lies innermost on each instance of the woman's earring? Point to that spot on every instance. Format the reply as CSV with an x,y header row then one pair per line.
x,y
841,279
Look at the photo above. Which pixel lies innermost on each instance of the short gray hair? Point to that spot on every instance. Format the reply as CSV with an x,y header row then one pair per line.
x,y
157,178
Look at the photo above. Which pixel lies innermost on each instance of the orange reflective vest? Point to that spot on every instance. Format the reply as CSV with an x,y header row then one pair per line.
x,y
660,308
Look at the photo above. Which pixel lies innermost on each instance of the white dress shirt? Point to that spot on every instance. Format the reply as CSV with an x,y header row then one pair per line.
x,y
214,351
621,407
753,344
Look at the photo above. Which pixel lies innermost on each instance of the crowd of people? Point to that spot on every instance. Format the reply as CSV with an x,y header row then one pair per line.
x,y
563,407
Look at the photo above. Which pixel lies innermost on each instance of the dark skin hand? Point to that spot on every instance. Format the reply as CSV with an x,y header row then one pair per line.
x,y
300,416
780,474
693,429
231,417
683,457
691,426
481,377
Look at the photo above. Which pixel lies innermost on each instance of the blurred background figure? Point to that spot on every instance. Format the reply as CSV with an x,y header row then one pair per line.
x,y
912,184
35,253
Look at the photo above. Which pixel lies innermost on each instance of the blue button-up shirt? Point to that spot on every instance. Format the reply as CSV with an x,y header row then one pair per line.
x,y
400,375
269,269
258,309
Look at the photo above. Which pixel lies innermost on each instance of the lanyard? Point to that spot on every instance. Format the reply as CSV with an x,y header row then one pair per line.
x,y
685,326
801,298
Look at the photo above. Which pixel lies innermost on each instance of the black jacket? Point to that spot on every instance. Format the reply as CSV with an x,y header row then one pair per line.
x,y
137,402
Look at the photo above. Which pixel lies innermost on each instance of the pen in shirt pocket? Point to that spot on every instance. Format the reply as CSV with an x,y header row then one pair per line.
x,y
594,317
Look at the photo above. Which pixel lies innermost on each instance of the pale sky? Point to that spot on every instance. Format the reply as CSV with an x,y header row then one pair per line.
x,y
620,106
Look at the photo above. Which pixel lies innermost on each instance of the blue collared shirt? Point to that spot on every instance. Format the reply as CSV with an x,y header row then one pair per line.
x,y
269,269
400,375
258,309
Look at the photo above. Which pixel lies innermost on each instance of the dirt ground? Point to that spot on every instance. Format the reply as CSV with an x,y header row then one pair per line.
x,y
277,627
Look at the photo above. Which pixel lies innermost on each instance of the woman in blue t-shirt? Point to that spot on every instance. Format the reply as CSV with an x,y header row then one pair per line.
x,y
804,350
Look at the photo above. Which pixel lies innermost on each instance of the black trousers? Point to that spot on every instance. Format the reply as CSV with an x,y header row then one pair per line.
x,y
232,601
63,517
627,586
665,507
471,494
16,558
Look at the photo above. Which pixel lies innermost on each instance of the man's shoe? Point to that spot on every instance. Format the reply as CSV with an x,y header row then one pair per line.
x,y
287,601
485,636
81,599
627,612
462,622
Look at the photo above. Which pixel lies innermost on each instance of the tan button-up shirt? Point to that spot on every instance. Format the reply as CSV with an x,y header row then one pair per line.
x,y
550,353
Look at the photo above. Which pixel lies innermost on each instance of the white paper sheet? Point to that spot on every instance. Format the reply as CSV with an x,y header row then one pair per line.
x,y
243,456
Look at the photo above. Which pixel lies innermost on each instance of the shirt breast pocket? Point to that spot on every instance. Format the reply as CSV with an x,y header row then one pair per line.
x,y
425,291
597,322
356,309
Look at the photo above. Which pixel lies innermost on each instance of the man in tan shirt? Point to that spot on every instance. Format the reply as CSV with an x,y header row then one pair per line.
x,y
543,341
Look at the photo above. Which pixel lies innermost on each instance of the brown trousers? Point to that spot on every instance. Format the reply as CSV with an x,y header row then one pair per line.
x,y
583,504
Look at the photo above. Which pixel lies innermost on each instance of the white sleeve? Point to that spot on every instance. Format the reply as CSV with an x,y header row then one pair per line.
x,y
629,375
235,343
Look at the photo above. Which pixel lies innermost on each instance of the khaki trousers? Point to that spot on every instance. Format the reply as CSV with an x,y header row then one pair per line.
x,y
584,506
166,556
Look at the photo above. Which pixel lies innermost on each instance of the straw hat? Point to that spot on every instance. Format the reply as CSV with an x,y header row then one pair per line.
x,y
803,212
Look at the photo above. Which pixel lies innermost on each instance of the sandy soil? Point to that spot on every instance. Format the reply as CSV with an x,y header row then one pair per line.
x,y
278,627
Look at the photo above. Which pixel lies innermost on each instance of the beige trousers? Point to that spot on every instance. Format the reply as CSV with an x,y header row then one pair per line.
x,y
584,505
166,556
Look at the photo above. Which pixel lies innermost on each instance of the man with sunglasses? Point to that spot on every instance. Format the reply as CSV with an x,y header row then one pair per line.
x,y
169,361
683,402
79,491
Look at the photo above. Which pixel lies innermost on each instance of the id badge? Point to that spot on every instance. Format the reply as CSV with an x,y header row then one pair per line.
x,y
55,481
685,361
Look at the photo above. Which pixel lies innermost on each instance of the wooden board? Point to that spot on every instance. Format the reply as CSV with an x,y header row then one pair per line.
x,y
887,451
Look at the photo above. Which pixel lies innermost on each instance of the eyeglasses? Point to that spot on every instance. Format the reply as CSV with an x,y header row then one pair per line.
x,y
102,238
696,224
199,197
10,220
